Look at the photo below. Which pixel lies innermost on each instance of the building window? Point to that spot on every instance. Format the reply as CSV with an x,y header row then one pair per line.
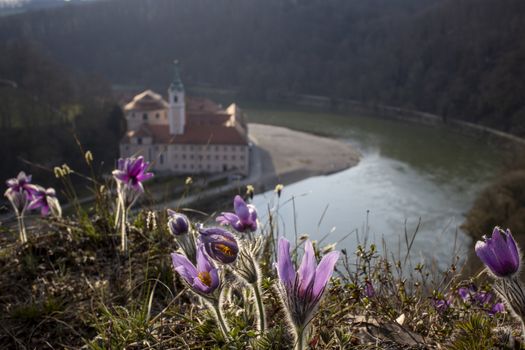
x,y
183,156
208,157
242,157
208,167
217,157
183,166
145,116
139,140
200,157
191,156
225,157
157,115
175,98
191,166
233,157
161,159
216,148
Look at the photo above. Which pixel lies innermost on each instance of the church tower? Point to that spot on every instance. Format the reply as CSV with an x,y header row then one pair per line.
x,y
176,104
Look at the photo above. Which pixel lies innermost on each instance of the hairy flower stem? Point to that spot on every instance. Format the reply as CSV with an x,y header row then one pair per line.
x,y
513,292
220,320
123,233
22,228
117,214
260,306
300,333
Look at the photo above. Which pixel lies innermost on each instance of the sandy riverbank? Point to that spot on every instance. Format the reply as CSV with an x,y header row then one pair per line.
x,y
293,155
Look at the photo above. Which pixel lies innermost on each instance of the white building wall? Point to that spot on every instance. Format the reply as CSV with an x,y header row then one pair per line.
x,y
191,159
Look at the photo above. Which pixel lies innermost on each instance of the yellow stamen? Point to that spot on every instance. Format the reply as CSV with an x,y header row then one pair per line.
x,y
205,278
225,249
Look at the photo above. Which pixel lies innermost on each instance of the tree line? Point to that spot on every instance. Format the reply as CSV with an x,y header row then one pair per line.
x,y
46,111
460,59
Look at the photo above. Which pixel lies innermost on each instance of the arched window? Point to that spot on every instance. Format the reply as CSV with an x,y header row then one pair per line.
x,y
175,98
145,116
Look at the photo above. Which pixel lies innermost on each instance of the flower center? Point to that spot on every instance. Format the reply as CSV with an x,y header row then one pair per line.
x,y
225,249
205,278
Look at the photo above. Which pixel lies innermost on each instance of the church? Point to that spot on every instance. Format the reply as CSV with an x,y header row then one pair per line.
x,y
186,135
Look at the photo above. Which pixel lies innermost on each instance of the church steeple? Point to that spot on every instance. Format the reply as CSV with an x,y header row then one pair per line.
x,y
176,84
176,103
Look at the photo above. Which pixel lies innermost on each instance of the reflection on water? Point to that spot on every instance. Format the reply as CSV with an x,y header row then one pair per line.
x,y
408,171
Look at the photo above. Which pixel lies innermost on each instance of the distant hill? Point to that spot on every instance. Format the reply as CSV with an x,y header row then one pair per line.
x,y
459,58
45,108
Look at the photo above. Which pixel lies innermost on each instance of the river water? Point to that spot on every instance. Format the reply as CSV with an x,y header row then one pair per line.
x,y
409,173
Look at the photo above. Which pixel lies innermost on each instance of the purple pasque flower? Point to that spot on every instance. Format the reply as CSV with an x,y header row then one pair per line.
x,y
369,289
132,172
466,293
301,291
441,304
20,183
496,308
219,244
482,298
178,223
203,278
244,219
499,253
45,200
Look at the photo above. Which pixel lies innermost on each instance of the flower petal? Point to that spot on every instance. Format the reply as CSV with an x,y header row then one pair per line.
x,y
513,249
145,177
241,209
184,267
486,255
285,268
203,262
307,268
215,280
324,272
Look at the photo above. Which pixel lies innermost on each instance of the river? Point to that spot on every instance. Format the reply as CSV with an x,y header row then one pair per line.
x,y
408,172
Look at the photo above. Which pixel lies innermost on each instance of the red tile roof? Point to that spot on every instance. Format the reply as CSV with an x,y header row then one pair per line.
x,y
201,104
206,122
